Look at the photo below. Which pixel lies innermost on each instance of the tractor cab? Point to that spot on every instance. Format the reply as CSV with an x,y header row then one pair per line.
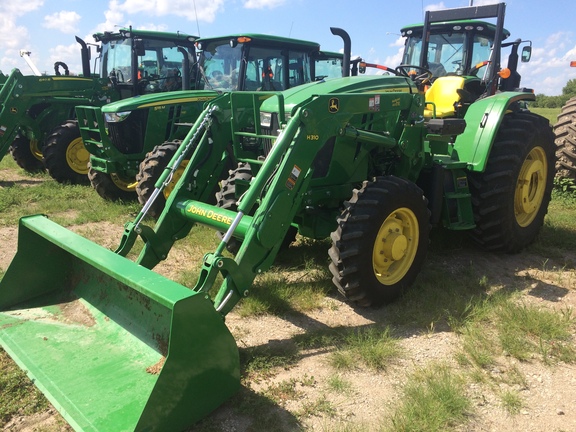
x,y
460,59
254,62
155,61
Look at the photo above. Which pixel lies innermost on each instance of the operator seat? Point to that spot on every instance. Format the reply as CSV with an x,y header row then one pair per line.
x,y
444,94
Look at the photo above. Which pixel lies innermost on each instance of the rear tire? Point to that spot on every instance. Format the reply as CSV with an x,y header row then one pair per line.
x,y
381,241
27,155
112,187
565,131
151,169
65,156
510,198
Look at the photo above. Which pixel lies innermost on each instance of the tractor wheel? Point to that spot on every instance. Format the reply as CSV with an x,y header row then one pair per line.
x,y
510,198
112,187
565,131
65,156
227,198
151,169
27,155
381,241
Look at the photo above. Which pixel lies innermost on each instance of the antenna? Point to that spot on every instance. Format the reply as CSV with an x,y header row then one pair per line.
x,y
196,15
290,32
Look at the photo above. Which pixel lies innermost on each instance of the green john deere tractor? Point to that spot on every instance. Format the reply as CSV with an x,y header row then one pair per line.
x,y
565,130
148,129
37,113
370,161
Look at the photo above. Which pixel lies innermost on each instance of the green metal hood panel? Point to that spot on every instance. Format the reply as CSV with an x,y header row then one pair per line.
x,y
363,84
159,99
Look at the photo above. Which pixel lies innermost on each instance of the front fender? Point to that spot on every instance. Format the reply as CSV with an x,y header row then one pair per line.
x,y
483,120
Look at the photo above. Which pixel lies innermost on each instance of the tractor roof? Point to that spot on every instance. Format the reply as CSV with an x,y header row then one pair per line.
x,y
124,33
447,26
263,39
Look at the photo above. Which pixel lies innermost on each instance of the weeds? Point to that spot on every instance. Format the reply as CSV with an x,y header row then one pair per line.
x,y
434,399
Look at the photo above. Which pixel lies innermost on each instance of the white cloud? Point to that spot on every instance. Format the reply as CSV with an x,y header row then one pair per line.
x,y
201,10
435,7
549,68
16,9
262,4
13,37
65,21
69,54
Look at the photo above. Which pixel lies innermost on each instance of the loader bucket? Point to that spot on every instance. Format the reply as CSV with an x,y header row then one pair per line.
x,y
113,345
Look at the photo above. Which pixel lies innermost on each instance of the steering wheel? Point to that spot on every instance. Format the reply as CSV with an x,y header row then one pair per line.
x,y
425,75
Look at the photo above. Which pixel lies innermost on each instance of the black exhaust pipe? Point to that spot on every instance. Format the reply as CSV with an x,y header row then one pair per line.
x,y
347,49
85,53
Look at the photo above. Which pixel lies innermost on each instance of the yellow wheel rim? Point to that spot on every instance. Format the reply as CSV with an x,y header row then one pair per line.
x,y
77,156
123,184
395,246
530,187
177,174
35,150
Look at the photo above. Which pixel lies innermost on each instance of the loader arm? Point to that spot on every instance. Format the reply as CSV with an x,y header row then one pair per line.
x,y
277,190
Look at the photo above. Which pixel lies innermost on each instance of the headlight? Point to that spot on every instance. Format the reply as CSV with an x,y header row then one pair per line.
x,y
265,119
116,117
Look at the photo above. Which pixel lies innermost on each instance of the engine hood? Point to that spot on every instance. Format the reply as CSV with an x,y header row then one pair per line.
x,y
159,99
354,84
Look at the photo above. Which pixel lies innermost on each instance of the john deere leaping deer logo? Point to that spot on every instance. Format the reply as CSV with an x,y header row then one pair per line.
x,y
333,105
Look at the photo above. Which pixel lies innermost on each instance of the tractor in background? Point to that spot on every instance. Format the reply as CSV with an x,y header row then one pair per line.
x,y
37,113
131,141
565,130
372,162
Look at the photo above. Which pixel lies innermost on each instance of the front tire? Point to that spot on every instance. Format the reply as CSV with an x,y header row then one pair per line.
x,y
565,131
510,198
112,187
65,155
381,241
27,155
151,169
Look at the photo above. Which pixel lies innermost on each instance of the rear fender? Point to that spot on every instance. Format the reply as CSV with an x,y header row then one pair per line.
x,y
483,120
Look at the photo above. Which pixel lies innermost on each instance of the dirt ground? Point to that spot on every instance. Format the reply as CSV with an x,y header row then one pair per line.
x,y
548,395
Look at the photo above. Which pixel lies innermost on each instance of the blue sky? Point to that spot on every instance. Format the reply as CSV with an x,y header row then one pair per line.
x,y
47,28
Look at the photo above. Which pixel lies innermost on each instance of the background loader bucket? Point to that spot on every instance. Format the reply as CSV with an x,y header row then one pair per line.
x,y
113,345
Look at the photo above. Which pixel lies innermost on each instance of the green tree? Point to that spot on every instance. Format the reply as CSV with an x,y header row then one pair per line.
x,y
570,88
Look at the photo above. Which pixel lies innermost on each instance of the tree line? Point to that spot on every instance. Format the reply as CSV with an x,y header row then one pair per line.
x,y
568,92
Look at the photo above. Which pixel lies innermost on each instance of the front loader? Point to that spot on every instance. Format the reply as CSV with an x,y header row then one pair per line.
x,y
37,113
367,161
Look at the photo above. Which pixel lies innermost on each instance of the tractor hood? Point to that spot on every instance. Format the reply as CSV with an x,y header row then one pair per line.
x,y
158,100
357,84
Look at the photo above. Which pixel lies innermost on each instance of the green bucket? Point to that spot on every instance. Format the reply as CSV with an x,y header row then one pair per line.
x,y
114,346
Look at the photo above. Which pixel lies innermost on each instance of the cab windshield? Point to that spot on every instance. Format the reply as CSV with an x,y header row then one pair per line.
x,y
450,53
329,67
248,67
159,69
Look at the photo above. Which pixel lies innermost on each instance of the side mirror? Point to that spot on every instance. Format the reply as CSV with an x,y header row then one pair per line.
x,y
526,53
139,47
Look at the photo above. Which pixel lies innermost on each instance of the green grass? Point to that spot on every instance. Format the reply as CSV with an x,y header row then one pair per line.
x,y
550,113
433,400
18,395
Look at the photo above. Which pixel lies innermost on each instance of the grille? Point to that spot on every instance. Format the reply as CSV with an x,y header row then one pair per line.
x,y
128,135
